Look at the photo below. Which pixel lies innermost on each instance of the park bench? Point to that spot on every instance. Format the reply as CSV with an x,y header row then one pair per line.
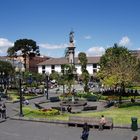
x,y
54,99
93,122
92,99
38,106
110,104
87,108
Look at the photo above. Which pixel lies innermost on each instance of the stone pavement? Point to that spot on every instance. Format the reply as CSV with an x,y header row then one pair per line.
x,y
22,130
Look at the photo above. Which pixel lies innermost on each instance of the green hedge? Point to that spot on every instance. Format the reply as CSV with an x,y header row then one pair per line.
x,y
123,105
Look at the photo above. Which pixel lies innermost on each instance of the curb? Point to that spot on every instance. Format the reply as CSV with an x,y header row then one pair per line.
x,y
39,120
60,122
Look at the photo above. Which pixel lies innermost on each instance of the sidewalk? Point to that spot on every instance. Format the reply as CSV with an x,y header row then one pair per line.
x,y
45,120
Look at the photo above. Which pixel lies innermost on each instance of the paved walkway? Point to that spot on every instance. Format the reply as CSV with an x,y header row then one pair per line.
x,y
22,130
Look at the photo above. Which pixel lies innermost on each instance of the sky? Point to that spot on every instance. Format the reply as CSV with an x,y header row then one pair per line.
x,y
97,24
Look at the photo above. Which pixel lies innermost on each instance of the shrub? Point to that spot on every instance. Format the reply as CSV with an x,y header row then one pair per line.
x,y
45,112
128,105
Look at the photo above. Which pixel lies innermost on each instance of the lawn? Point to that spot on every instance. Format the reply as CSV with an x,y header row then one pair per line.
x,y
121,116
14,96
30,113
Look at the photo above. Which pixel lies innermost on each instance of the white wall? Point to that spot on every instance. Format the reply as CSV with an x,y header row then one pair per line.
x,y
58,69
48,69
90,68
78,67
39,69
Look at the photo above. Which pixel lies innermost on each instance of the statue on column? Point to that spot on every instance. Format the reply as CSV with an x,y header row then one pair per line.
x,y
71,36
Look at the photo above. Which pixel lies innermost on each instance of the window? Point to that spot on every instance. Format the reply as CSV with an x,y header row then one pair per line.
x,y
43,71
43,67
94,65
52,67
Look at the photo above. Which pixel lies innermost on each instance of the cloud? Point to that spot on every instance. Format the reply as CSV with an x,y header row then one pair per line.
x,y
53,46
4,45
5,42
95,51
87,37
125,41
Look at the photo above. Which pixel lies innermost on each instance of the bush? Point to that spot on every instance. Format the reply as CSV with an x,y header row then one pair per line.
x,y
128,105
89,96
44,112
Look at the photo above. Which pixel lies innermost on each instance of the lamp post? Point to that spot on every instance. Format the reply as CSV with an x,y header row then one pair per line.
x,y
63,83
30,79
47,86
20,70
2,78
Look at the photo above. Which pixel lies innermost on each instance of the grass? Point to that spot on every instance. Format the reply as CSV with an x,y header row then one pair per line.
x,y
134,87
13,94
30,114
121,116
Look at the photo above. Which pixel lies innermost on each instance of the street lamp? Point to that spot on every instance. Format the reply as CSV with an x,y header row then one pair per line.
x,y
20,70
47,85
63,82
2,78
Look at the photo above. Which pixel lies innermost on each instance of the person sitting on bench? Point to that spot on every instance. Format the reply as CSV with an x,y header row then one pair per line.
x,y
102,122
69,109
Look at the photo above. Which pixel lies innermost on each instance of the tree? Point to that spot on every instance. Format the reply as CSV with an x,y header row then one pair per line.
x,y
117,67
7,71
137,74
83,60
54,76
68,76
27,47
85,75
11,52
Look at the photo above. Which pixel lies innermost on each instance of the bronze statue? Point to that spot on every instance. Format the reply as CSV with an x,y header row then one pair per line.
x,y
71,37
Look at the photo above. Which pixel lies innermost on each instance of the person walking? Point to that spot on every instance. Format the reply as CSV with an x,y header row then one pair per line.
x,y
85,132
3,111
0,110
135,138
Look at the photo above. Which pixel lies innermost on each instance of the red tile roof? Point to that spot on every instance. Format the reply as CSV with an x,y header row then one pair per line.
x,y
63,60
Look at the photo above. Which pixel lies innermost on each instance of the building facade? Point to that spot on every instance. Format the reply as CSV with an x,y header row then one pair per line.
x,y
55,64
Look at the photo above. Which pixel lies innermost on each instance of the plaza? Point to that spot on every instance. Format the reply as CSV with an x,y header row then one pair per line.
x,y
22,130
31,130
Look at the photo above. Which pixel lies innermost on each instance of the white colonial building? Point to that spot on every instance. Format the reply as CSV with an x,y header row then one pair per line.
x,y
55,64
